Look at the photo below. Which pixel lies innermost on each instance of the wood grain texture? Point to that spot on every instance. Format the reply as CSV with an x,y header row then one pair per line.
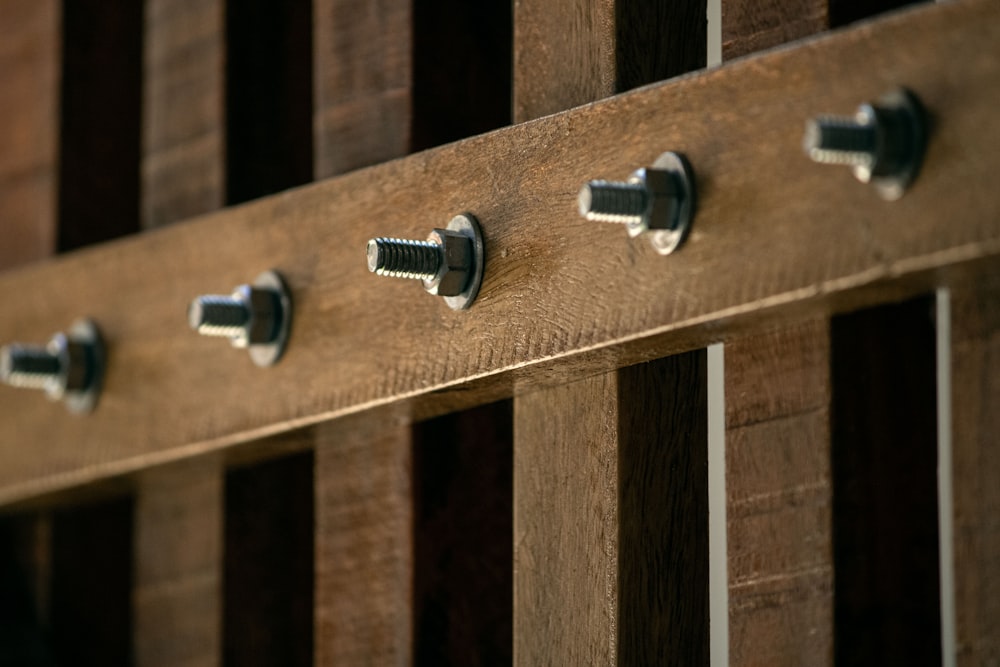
x,y
364,543
362,83
610,518
778,496
975,358
177,595
29,107
565,524
183,143
564,55
749,25
561,296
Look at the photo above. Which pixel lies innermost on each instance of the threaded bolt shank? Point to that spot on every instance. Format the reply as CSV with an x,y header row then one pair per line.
x,y
841,140
402,258
219,315
608,201
28,366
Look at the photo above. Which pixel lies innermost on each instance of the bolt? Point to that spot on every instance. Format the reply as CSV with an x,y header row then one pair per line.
x,y
883,143
657,200
70,367
254,316
449,262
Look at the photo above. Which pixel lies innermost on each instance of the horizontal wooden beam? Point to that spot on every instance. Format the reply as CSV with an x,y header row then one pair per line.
x,y
775,236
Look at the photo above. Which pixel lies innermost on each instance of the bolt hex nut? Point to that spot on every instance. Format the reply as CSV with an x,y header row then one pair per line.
x,y
456,263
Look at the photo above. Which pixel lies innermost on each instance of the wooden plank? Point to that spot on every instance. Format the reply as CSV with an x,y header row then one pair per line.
x,y
183,127
364,543
177,594
975,359
362,66
178,554
610,550
778,487
29,108
562,297
778,490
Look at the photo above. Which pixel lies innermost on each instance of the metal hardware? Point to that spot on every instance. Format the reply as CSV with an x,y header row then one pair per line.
x,y
883,143
658,201
449,263
257,317
69,368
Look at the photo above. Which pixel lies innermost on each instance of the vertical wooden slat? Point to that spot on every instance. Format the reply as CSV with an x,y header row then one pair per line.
x,y
183,157
778,481
362,66
29,76
364,559
777,387
177,599
178,537
609,568
362,83
610,518
975,374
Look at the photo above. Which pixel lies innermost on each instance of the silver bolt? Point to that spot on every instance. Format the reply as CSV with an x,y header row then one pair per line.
x,y
255,316
883,143
70,367
449,263
658,200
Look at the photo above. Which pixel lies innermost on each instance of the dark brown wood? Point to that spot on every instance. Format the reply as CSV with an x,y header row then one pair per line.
x,y
749,26
177,600
268,97
268,563
183,156
364,542
362,83
778,490
461,70
562,297
884,466
90,613
462,527
975,359
610,518
100,116
29,77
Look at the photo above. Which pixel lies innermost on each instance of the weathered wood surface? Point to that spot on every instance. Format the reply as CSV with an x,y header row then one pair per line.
x,y
29,108
778,487
778,491
610,518
975,358
361,70
557,289
364,542
183,163
177,593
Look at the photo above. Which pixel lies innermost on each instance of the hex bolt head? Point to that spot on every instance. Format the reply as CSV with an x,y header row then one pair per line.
x,y
449,263
256,317
883,142
69,368
658,201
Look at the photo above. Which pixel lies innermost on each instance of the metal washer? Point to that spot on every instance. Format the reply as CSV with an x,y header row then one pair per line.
x,y
467,225
268,354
